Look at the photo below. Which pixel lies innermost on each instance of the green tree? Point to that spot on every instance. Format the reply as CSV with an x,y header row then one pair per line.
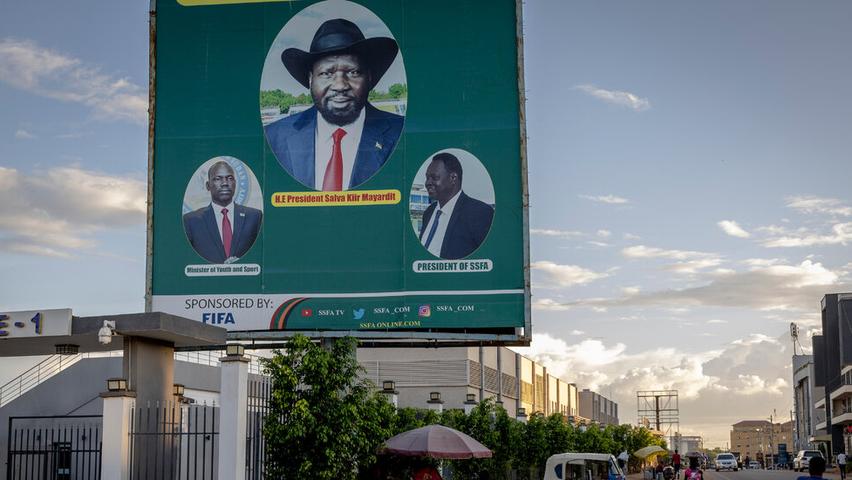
x,y
282,100
323,423
398,90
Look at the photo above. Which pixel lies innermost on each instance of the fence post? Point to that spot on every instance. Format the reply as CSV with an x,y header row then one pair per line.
x,y
115,452
233,401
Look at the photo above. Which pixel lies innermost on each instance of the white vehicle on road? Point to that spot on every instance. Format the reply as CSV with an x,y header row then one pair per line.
x,y
726,461
754,465
803,458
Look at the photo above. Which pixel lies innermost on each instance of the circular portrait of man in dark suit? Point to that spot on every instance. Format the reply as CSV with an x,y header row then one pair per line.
x,y
333,96
452,204
222,210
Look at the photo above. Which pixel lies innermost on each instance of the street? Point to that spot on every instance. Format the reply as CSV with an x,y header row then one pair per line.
x,y
760,475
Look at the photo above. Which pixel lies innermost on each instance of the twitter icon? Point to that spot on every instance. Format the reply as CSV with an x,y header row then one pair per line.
x,y
358,314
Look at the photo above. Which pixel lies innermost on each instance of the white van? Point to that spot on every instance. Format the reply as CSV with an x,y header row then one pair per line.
x,y
582,466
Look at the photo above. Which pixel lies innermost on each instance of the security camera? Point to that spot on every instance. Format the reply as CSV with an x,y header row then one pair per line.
x,y
106,332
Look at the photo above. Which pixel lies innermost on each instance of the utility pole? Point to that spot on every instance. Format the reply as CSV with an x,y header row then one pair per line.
x,y
771,436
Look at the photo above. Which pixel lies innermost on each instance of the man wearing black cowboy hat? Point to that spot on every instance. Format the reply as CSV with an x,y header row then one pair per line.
x,y
342,140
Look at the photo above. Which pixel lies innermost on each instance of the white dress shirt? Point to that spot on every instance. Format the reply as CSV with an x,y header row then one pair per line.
x,y
217,210
438,238
324,145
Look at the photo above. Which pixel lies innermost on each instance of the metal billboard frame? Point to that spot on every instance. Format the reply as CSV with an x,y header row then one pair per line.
x,y
391,338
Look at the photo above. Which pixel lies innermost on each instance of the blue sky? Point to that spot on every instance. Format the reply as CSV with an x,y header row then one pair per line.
x,y
687,169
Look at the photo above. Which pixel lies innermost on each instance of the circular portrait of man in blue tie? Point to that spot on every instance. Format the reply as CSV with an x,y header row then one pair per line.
x,y
452,204
222,210
333,96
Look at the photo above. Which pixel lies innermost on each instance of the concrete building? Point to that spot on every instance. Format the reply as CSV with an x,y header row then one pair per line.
x,y
485,372
807,416
598,408
832,355
688,443
759,438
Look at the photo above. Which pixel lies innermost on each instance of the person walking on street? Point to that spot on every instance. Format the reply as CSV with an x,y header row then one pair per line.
x,y
623,457
816,467
676,463
841,465
694,471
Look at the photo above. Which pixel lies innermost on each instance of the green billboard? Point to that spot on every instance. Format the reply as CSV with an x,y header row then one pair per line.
x,y
339,165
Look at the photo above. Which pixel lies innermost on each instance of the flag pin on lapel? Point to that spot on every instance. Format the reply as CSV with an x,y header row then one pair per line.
x,y
242,214
378,146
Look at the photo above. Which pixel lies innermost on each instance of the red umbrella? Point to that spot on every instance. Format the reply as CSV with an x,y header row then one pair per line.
x,y
436,441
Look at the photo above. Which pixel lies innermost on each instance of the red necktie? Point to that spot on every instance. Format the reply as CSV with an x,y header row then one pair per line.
x,y
333,180
226,232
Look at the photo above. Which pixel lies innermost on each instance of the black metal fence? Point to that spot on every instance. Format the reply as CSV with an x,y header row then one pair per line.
x,y
54,448
175,442
259,392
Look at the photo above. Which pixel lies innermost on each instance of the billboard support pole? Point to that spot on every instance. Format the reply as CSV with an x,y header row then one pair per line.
x,y
152,94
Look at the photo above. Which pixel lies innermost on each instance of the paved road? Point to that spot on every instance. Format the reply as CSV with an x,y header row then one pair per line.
x,y
760,475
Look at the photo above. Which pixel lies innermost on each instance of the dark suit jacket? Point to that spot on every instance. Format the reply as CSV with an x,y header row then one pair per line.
x,y
203,233
469,224
292,141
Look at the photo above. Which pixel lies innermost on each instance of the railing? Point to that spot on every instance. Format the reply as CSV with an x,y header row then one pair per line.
x,y
55,364
257,408
40,372
174,442
211,358
54,447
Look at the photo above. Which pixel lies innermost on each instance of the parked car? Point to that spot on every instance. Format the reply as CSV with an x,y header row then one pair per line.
x,y
754,465
800,463
582,466
726,461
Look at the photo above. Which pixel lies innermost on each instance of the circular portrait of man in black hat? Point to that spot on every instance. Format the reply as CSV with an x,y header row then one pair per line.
x,y
333,95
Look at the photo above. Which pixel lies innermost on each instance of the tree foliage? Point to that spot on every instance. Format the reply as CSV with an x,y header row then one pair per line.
x,y
325,423
283,101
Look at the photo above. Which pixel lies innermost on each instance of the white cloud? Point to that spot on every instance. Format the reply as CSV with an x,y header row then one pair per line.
x,y
750,372
716,321
598,244
549,304
694,266
762,262
604,233
555,233
642,251
773,287
841,233
576,332
23,134
635,290
565,275
753,384
812,204
733,229
616,97
40,71
689,262
55,212
608,199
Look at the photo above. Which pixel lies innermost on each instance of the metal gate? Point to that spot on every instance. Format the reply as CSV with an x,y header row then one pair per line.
x,y
54,448
257,408
175,442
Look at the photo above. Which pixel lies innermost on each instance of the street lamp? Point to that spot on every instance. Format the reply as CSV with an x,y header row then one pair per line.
x,y
235,350
116,384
